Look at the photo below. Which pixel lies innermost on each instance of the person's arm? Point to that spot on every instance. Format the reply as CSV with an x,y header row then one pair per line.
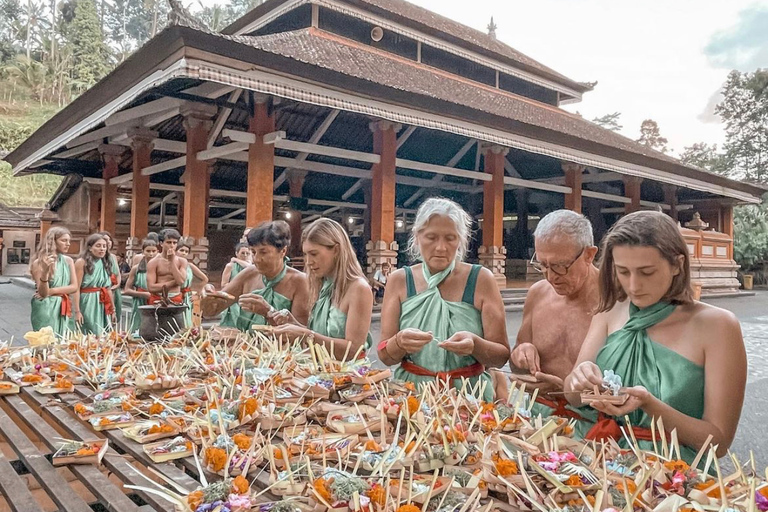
x,y
152,285
199,274
242,263
178,271
226,276
41,281
130,290
525,355
79,273
300,302
492,349
72,286
586,374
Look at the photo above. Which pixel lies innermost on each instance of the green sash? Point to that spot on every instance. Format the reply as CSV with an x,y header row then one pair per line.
x,y
428,311
47,311
232,313
139,281
640,361
274,299
95,319
328,320
188,298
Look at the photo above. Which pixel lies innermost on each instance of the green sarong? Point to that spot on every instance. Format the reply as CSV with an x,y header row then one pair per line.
x,y
640,361
328,320
232,313
274,299
139,284
48,311
117,293
95,318
188,298
428,311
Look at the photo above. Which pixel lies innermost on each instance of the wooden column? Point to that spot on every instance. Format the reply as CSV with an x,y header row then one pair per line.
x,y
670,197
573,178
493,253
94,207
296,186
726,216
111,155
141,144
197,182
632,191
261,165
46,221
382,246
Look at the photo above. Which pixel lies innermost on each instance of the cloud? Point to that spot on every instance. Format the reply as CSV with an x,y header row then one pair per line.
x,y
743,46
708,115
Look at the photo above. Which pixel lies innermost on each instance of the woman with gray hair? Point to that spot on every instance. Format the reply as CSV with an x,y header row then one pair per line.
x,y
443,317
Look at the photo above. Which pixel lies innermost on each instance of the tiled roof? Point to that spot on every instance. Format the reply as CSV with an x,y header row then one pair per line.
x,y
12,219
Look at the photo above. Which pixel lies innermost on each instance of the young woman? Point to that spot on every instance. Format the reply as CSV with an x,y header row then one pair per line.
x,y
182,250
94,310
443,317
341,298
55,280
114,275
681,360
237,264
269,286
136,285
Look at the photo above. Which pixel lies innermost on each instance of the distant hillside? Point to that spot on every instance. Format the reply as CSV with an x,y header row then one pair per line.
x,y
17,121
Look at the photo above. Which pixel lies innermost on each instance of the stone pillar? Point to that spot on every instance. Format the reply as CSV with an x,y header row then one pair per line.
x,y
670,197
261,165
381,246
197,182
493,254
46,220
111,155
573,178
141,144
632,191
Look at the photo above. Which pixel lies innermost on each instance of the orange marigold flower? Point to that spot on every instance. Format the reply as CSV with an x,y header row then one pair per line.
x,y
240,485
506,467
372,446
321,488
156,408
242,441
413,405
84,451
80,409
410,386
278,453
195,499
34,377
408,508
248,407
573,481
62,383
105,421
763,491
160,429
216,458
677,465
377,494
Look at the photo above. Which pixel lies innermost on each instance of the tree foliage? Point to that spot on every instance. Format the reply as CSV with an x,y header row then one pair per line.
x,y
750,236
609,121
705,156
650,136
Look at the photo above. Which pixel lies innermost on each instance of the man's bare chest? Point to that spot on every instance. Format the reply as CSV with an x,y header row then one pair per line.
x,y
560,327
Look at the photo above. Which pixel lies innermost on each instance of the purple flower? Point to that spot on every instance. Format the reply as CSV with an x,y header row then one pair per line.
x,y
761,501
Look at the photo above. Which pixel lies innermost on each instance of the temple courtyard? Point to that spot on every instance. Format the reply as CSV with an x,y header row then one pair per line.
x,y
751,311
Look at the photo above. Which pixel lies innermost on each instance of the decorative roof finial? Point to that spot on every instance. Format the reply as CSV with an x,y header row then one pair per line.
x,y
492,28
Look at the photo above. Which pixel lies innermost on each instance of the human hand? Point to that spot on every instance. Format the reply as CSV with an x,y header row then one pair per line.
x,y
461,343
170,254
78,317
281,317
526,357
411,341
208,288
291,331
638,398
46,264
254,303
37,296
547,383
586,376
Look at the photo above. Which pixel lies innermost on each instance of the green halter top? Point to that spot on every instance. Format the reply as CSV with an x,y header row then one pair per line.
x,y
640,361
272,298
188,298
428,311
328,320
117,293
140,284
95,318
232,313
47,311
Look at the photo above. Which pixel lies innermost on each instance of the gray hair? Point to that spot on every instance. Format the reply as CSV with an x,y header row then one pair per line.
x,y
447,208
565,224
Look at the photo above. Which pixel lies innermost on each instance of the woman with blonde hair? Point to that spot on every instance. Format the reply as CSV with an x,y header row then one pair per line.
x,y
340,296
55,280
679,359
443,317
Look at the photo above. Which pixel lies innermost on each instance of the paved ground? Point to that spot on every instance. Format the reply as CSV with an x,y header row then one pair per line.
x,y
751,311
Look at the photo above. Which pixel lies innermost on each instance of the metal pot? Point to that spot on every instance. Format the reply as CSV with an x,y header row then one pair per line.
x,y
157,322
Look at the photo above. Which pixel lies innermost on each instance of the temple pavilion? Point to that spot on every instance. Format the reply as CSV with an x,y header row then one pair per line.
x,y
356,110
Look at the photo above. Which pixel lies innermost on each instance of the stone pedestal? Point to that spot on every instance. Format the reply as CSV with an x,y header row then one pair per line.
x,y
378,253
494,258
132,248
198,253
712,266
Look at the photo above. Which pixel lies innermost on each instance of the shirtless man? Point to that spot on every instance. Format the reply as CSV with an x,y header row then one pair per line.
x,y
166,270
558,309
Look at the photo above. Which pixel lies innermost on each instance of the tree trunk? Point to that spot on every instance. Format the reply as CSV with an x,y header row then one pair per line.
x,y
29,26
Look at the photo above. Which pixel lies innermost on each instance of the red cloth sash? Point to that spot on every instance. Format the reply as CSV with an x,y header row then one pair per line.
x,y
559,405
466,372
186,290
113,279
156,299
66,306
607,427
105,297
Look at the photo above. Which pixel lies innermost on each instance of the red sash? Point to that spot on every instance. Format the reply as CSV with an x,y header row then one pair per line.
x,y
186,290
559,405
113,279
607,427
466,372
66,306
105,297
176,299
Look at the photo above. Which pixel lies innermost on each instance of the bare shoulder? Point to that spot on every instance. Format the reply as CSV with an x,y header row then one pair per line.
x,y
486,282
359,286
710,319
537,291
396,278
80,263
69,260
297,278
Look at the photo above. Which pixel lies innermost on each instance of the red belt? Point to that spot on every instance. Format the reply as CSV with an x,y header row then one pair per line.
x,y
559,406
113,279
66,306
105,297
466,372
176,299
186,290
607,428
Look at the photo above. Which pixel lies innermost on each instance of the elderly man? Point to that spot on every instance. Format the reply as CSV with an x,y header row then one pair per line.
x,y
558,310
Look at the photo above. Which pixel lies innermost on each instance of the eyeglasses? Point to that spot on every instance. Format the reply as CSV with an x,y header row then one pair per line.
x,y
558,269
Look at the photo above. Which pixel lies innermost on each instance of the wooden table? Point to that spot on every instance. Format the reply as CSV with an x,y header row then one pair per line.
x,y
48,417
